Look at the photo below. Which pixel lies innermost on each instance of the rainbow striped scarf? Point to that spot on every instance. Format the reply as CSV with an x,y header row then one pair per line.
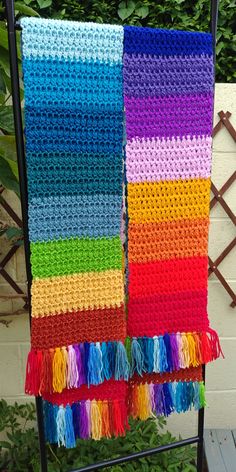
x,y
93,366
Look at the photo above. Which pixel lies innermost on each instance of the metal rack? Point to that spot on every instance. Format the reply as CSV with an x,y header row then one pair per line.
x,y
12,25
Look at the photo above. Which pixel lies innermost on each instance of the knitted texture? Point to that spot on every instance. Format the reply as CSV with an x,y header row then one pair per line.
x,y
94,360
168,90
74,131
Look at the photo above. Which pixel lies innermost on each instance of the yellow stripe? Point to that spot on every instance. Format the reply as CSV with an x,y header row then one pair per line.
x,y
165,201
54,295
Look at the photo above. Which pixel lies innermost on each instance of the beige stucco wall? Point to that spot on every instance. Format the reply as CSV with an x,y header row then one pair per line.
x,y
221,378
220,375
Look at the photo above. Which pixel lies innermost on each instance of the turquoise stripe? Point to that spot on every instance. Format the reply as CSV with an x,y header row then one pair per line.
x,y
85,83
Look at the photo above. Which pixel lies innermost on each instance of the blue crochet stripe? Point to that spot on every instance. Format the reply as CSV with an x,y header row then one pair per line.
x,y
50,145
160,42
82,216
45,39
43,161
73,126
59,81
66,173
55,178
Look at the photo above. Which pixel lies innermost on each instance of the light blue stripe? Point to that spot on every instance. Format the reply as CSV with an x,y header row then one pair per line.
x,y
55,39
82,216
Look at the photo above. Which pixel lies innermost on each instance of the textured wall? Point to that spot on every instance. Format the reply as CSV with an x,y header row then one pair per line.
x,y
221,379
220,375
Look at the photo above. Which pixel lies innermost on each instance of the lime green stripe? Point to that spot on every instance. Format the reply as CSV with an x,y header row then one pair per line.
x,y
71,256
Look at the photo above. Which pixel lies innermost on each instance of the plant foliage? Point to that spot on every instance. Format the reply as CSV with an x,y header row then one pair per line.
x,y
20,452
175,14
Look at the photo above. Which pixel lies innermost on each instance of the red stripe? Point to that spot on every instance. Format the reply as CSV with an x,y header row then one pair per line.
x,y
193,374
108,390
78,326
167,277
160,314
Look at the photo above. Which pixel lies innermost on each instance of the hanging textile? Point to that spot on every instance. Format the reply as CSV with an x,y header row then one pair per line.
x,y
168,89
74,152
94,358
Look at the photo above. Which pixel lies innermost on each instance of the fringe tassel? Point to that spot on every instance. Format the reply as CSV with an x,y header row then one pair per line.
x,y
90,363
53,370
172,352
86,419
96,421
33,372
122,369
95,364
163,399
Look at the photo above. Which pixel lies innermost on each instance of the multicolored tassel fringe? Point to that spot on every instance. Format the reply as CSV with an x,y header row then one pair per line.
x,y
96,418
52,370
165,398
86,419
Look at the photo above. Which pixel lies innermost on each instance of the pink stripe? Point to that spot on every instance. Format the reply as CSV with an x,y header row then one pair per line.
x,y
155,159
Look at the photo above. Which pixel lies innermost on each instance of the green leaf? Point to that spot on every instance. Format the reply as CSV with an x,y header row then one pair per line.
x,y
44,3
8,178
5,444
3,89
8,147
7,81
14,167
219,47
3,35
4,61
11,233
189,468
6,119
142,11
126,9
22,8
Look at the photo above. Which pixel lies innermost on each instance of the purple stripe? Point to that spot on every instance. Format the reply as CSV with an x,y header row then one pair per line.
x,y
189,115
158,76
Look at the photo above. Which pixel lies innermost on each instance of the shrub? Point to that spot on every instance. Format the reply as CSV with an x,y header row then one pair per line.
x,y
20,451
178,14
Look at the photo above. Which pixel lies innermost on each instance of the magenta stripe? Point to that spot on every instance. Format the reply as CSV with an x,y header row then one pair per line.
x,y
159,159
186,115
158,76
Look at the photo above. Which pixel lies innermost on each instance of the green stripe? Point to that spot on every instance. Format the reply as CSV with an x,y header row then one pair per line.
x,y
71,256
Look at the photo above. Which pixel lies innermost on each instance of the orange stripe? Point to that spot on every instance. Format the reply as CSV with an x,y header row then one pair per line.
x,y
168,240
150,202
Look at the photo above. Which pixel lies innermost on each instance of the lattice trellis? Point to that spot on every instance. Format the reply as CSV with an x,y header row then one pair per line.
x,y
10,254
217,199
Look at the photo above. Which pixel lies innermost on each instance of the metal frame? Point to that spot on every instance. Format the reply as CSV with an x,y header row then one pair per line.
x,y
11,27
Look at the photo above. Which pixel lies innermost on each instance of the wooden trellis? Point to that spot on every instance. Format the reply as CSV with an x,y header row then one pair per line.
x,y
3,272
218,198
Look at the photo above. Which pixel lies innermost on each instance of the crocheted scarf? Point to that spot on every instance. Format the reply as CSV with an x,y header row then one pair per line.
x,y
94,364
